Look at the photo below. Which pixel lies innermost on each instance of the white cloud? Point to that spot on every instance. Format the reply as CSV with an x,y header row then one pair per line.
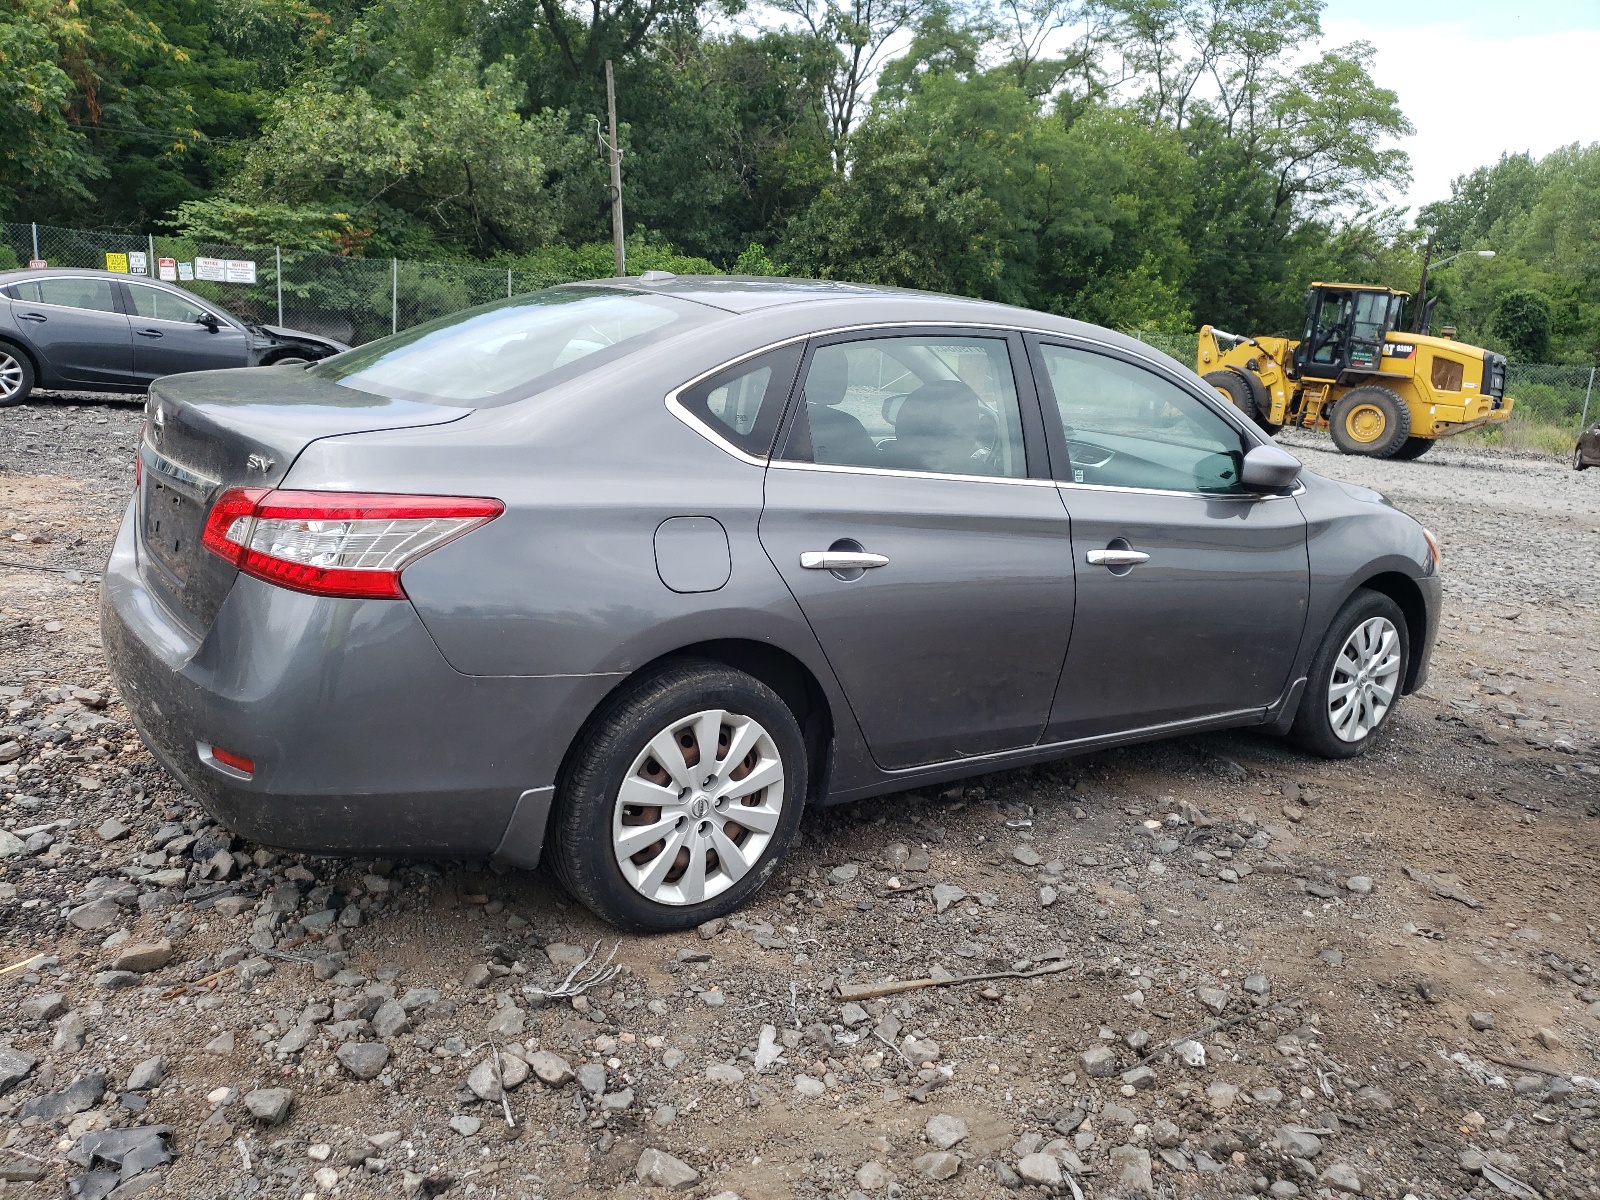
x,y
1472,96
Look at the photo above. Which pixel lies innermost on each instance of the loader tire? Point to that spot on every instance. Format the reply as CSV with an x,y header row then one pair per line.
x,y
1414,449
1246,393
1370,420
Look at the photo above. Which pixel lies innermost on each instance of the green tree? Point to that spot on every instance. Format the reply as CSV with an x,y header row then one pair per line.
x,y
1523,320
449,161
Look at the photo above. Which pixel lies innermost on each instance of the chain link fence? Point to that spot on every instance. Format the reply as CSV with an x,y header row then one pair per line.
x,y
350,299
357,299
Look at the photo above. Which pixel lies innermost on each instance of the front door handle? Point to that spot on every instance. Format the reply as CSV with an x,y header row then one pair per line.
x,y
32,317
149,333
1116,558
841,560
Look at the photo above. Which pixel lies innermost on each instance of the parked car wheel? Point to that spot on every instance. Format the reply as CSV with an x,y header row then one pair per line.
x,y
681,800
1577,459
16,376
1355,679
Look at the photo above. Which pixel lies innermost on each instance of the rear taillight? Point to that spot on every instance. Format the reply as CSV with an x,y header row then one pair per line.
x,y
349,544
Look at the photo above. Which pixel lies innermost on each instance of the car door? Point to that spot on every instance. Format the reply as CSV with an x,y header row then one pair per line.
x,y
169,338
934,570
1192,591
74,323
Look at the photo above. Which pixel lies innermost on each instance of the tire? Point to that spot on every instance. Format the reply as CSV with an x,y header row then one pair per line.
x,y
1413,449
654,889
1322,725
1577,459
1246,393
289,360
16,375
1370,420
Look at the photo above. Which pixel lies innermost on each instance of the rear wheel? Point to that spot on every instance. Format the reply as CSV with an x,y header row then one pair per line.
x,y
1355,679
16,376
1370,420
1246,393
681,800
1413,449
1577,459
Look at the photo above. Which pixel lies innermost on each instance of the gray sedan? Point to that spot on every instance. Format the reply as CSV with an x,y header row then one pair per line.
x,y
99,331
627,574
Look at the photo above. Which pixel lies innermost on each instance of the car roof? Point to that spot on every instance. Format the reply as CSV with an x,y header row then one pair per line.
x,y
861,303
79,272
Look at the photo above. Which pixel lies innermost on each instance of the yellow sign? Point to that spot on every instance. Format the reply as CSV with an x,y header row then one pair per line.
x,y
117,263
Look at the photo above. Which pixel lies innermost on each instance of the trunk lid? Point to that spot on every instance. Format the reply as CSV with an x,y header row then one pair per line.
x,y
213,430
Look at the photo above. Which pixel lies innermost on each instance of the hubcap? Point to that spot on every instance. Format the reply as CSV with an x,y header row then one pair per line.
x,y
1365,423
698,808
1366,674
10,376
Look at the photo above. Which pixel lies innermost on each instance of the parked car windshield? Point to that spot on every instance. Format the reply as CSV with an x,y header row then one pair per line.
x,y
509,350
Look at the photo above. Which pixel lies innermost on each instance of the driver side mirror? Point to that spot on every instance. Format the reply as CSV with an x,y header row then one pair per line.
x,y
209,320
1269,469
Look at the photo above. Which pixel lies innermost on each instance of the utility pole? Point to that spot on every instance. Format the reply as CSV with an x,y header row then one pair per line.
x,y
616,174
1422,288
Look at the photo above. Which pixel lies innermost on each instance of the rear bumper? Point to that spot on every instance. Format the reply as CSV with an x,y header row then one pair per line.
x,y
363,738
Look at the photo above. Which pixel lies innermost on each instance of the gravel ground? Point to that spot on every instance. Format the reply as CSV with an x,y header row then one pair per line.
x,y
1221,968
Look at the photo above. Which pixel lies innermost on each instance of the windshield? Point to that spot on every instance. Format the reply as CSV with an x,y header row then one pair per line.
x,y
511,349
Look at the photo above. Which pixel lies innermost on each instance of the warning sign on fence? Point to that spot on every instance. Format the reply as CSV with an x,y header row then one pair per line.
x,y
117,262
137,263
185,271
225,270
168,267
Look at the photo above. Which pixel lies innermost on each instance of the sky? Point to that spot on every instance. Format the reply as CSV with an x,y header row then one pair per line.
x,y
1479,77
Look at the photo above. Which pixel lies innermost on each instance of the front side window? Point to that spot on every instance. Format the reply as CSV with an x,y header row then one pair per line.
x,y
158,304
744,403
506,351
946,405
69,292
1128,427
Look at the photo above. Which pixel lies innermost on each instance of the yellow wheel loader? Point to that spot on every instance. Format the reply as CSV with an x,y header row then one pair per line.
x,y
1378,390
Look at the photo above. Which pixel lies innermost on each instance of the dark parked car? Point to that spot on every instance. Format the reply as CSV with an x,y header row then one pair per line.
x,y
1586,453
98,331
626,574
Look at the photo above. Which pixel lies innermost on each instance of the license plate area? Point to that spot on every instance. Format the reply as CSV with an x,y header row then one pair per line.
x,y
171,527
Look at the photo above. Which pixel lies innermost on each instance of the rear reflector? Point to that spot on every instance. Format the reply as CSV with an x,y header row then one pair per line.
x,y
351,544
237,761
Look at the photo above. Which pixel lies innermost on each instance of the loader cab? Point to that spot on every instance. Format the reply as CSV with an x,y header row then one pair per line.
x,y
1345,328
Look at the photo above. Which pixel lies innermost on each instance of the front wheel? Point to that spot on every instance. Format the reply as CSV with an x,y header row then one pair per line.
x,y
681,800
1413,449
1370,420
1577,459
16,376
1355,679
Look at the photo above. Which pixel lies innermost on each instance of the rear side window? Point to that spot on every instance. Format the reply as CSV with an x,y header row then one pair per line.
x,y
744,403
68,293
508,350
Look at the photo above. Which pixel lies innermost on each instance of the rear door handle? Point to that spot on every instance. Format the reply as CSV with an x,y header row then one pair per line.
x,y
841,560
32,317
149,333
1116,558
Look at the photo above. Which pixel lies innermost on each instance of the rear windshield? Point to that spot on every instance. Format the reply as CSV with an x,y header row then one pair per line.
x,y
511,349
